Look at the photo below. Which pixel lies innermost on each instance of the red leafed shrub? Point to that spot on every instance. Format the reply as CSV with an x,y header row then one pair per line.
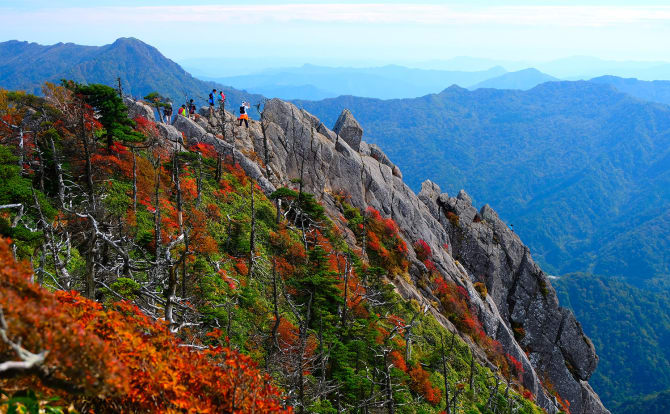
x,y
430,266
516,364
147,127
528,395
423,251
241,267
420,383
117,359
398,360
207,150
385,247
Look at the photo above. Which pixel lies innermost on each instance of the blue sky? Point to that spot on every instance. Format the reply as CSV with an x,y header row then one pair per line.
x,y
348,31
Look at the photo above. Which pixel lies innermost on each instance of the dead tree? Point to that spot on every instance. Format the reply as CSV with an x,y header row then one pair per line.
x,y
252,234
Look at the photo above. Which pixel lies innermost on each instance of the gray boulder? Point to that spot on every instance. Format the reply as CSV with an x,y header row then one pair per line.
x,y
191,129
137,108
349,129
170,133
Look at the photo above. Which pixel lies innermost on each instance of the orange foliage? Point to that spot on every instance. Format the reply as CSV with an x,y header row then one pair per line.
x,y
119,360
420,383
398,360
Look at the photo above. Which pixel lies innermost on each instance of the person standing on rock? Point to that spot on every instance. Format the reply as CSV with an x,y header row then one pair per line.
x,y
191,109
183,111
167,113
244,114
212,101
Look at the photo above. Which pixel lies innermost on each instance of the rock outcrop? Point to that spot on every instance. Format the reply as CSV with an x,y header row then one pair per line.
x,y
521,310
348,128
138,108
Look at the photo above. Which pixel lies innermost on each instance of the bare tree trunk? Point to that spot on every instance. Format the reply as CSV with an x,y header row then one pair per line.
x,y
390,406
198,199
89,281
275,300
170,295
59,174
301,358
472,373
444,370
346,292
87,153
177,182
134,180
219,167
157,219
252,236
21,148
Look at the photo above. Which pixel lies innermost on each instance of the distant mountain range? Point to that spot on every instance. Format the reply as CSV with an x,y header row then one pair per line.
x,y
654,91
570,68
387,82
581,169
141,67
523,80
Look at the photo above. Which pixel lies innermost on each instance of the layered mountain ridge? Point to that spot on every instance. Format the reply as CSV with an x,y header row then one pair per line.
x,y
520,311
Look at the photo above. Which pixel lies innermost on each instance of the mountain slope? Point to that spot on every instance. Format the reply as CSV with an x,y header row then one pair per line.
x,y
142,69
575,166
386,82
654,91
449,244
298,246
657,403
524,79
629,326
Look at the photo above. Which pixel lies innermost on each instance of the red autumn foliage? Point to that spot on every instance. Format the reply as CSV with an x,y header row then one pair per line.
x,y
420,383
385,247
146,127
516,364
398,360
528,395
207,150
423,251
119,360
241,267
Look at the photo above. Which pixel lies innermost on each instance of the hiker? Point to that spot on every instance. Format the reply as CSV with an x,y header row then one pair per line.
x,y
182,111
191,109
167,113
212,102
222,96
244,114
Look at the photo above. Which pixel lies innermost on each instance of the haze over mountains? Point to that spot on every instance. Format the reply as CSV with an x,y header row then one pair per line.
x,y
387,82
581,169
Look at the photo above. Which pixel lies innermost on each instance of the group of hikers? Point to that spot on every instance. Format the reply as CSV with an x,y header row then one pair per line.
x,y
188,110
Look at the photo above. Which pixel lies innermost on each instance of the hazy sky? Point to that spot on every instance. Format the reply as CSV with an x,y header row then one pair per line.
x,y
347,31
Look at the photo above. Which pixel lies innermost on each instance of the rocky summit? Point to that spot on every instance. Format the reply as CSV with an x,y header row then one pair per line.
x,y
471,248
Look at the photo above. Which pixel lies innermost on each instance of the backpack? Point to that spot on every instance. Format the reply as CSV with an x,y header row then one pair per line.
x,y
211,98
243,110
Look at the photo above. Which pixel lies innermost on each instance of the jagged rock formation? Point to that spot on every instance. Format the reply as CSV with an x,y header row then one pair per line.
x,y
468,245
349,130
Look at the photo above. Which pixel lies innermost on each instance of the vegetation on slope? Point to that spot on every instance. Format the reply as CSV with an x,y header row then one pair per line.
x,y
174,271
630,328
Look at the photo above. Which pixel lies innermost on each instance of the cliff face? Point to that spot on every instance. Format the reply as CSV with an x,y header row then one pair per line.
x,y
521,310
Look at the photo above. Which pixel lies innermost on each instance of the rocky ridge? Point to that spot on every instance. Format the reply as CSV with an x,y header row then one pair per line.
x,y
468,245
